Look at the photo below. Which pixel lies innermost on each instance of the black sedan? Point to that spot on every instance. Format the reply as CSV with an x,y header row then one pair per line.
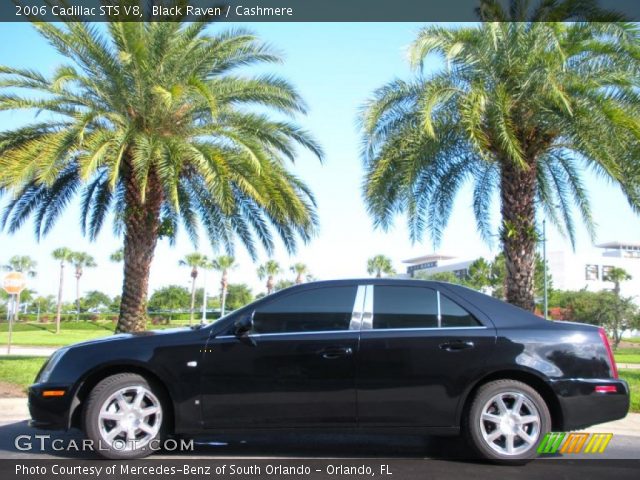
x,y
371,355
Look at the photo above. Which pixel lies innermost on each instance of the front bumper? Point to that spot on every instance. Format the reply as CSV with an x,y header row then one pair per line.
x,y
49,413
582,406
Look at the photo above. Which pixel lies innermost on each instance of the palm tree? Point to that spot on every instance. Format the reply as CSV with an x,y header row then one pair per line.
x,y
617,276
81,260
521,108
151,123
64,255
117,256
479,274
223,264
23,264
194,261
620,305
269,270
300,269
380,264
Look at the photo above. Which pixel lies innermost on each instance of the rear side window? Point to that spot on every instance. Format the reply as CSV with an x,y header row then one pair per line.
x,y
405,307
316,310
453,315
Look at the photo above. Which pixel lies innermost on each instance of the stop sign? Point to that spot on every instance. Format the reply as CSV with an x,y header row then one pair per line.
x,y
14,283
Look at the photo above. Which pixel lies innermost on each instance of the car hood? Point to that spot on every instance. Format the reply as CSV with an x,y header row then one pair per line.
x,y
118,337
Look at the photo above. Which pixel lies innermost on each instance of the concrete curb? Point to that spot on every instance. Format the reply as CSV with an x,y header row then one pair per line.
x,y
29,351
628,366
15,410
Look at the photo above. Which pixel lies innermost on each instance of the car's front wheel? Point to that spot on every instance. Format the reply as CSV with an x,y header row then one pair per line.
x,y
123,417
506,421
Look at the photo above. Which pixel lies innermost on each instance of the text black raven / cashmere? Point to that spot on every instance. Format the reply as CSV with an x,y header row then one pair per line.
x,y
412,356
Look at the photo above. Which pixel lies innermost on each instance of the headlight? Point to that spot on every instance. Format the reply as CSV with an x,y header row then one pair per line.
x,y
54,359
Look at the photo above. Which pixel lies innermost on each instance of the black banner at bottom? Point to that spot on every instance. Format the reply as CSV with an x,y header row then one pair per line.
x,y
312,469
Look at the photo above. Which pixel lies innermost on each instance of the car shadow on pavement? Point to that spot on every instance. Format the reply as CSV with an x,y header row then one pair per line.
x,y
18,440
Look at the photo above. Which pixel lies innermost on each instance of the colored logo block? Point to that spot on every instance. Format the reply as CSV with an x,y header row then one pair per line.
x,y
562,442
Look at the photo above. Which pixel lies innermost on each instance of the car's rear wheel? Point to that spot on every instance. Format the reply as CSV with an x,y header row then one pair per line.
x,y
506,421
124,417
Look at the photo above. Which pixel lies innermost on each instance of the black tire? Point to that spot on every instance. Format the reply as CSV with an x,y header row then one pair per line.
x,y
478,432
92,422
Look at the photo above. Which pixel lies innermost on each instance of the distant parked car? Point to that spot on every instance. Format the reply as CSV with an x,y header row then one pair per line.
x,y
403,355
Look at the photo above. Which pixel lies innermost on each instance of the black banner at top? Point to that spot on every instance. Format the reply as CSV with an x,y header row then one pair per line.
x,y
319,10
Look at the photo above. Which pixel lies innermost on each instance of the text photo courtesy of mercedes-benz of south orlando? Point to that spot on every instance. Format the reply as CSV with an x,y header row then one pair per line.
x,y
320,239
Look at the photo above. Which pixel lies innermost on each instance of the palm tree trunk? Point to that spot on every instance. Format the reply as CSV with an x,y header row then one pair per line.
x,y
59,306
299,279
518,233
223,283
193,299
223,302
77,297
270,285
142,221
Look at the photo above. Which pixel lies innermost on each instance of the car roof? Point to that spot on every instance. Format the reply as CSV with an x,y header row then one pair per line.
x,y
500,313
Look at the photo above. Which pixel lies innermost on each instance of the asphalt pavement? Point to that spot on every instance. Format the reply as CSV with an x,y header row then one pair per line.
x,y
404,456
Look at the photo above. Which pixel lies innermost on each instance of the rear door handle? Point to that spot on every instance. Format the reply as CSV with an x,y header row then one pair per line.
x,y
456,345
331,353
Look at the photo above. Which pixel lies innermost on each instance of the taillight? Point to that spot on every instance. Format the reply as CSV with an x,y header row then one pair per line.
x,y
606,389
612,362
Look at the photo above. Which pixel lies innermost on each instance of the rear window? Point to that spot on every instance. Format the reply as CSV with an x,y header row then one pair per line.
x,y
453,315
405,307
417,307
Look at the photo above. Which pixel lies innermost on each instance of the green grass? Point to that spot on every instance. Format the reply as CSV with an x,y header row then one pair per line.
x,y
627,355
635,358
43,334
20,371
633,378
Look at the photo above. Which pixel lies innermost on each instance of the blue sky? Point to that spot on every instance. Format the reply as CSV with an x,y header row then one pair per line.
x,y
335,67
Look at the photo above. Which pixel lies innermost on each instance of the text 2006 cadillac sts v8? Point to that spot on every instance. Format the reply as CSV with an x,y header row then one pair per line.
x,y
372,355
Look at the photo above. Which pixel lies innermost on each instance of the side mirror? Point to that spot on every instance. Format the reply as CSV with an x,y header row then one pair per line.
x,y
243,325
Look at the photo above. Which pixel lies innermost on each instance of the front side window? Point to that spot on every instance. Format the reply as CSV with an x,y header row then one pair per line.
x,y
405,307
320,309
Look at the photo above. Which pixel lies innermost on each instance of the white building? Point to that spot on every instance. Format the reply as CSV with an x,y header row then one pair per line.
x,y
576,271
437,263
568,270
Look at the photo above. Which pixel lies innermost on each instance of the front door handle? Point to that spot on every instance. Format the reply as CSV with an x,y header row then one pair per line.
x,y
331,353
456,345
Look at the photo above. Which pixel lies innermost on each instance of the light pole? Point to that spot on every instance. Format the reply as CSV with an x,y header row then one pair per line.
x,y
544,261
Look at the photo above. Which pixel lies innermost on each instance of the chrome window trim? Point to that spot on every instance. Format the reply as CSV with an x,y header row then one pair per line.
x,y
438,308
319,332
367,316
358,309
442,329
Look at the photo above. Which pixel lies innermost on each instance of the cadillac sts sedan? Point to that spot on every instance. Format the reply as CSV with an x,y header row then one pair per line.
x,y
365,355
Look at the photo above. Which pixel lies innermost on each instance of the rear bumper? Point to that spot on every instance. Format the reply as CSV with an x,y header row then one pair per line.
x,y
49,413
582,406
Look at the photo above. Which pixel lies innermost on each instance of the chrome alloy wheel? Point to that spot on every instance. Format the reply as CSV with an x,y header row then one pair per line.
x,y
130,418
510,423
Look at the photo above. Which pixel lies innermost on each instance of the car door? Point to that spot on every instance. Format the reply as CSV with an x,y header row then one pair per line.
x,y
295,367
419,351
